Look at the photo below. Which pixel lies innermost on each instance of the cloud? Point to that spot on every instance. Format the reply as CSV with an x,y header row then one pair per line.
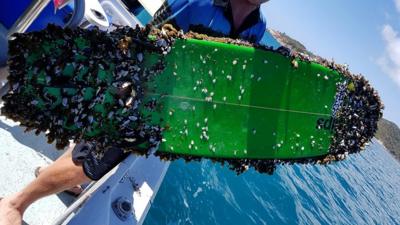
x,y
390,62
397,2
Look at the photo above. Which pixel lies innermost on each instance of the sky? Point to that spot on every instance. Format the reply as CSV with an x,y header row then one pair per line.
x,y
363,34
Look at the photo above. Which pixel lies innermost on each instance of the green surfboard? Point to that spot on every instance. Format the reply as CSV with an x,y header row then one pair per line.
x,y
197,98
223,100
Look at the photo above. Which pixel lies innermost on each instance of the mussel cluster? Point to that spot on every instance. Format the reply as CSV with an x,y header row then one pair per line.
x,y
88,85
357,117
76,84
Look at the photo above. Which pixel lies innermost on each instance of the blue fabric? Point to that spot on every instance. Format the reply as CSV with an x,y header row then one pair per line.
x,y
206,13
11,10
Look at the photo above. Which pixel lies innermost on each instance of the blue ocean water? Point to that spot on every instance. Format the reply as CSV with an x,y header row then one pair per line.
x,y
364,189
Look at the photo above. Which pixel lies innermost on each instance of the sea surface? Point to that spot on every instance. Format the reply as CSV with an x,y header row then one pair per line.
x,y
364,189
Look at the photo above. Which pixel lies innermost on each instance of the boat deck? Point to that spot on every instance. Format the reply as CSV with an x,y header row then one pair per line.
x,y
20,154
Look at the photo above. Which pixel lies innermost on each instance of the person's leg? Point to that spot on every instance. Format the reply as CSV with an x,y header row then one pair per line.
x,y
77,189
74,191
57,177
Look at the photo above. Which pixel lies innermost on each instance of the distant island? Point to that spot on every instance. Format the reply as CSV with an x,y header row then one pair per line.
x,y
388,132
290,43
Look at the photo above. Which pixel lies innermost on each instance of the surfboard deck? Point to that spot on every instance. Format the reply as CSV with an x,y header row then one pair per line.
x,y
193,98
